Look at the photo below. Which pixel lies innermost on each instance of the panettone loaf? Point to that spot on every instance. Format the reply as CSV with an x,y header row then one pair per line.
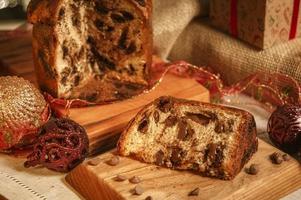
x,y
98,50
212,140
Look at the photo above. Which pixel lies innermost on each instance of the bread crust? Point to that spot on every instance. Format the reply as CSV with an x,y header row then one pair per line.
x,y
246,142
45,16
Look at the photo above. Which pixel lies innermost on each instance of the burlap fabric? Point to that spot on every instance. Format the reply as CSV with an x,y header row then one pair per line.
x,y
170,18
201,44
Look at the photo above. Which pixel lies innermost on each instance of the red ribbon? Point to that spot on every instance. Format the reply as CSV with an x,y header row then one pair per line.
x,y
295,17
234,19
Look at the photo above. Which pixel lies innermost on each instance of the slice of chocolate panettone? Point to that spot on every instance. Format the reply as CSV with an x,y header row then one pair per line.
x,y
212,140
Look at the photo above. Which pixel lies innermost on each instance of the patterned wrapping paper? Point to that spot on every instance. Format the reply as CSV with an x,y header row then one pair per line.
x,y
262,23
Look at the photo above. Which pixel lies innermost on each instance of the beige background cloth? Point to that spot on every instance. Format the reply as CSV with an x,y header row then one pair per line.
x,y
178,37
202,45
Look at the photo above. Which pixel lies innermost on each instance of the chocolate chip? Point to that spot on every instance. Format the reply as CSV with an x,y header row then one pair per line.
x,y
224,127
127,15
138,190
156,116
198,118
113,161
159,158
51,73
182,130
220,127
120,178
212,150
102,60
194,192
165,105
141,2
170,121
149,198
143,126
252,170
185,131
276,158
286,157
135,180
177,156
94,161
214,154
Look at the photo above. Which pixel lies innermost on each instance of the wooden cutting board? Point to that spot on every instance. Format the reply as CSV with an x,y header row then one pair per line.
x,y
272,181
103,123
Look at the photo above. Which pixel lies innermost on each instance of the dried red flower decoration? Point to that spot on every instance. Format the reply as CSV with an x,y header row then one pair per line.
x,y
62,145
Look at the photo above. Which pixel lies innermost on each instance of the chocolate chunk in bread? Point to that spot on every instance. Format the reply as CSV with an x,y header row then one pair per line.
x,y
111,40
212,140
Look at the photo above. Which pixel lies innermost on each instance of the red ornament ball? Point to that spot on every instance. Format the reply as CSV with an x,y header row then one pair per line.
x,y
284,128
61,146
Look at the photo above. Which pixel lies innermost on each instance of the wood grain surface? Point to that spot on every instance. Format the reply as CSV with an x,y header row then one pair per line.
x,y
272,181
103,123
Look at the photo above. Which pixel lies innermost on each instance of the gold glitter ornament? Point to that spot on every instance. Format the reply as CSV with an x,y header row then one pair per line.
x,y
23,110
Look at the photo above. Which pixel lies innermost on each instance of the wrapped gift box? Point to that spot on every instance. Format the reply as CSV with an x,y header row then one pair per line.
x,y
263,23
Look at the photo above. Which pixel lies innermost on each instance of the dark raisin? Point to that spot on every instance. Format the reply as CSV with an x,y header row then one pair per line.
x,y
171,121
99,24
132,48
117,18
61,13
127,15
123,39
165,105
100,8
143,126
141,2
159,157
156,116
